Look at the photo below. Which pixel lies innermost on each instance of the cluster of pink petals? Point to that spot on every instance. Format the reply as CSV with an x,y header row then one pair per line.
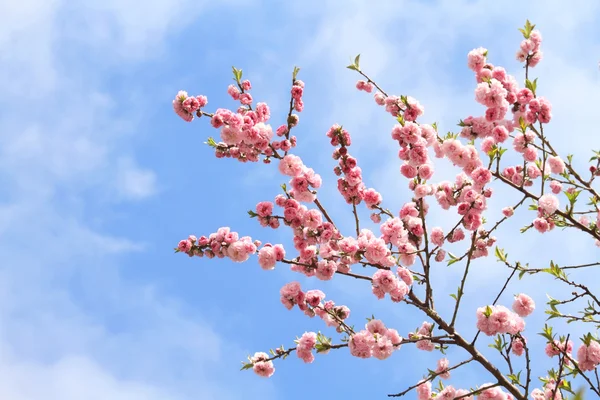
x,y
424,331
374,341
245,133
588,356
312,303
221,244
529,50
385,281
306,344
550,391
501,320
350,184
303,178
468,196
442,368
548,204
523,305
518,346
186,106
261,366
365,86
557,347
408,107
269,255
493,393
425,392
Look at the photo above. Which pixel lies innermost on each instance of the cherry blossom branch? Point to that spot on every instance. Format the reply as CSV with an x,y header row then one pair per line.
x,y
430,378
481,389
463,280
356,219
327,217
477,356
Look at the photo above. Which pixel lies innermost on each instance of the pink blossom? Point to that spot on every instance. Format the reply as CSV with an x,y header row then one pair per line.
x,y
326,269
184,246
267,258
442,368
518,347
494,393
548,203
437,236
234,92
557,165
476,59
361,343
588,357
264,368
508,211
523,305
555,187
291,165
424,391
314,297
264,209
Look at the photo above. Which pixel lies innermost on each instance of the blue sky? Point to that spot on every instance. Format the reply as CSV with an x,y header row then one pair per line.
x,y
100,180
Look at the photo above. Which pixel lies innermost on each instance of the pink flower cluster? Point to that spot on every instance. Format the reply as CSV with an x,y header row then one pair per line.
x,y
424,332
469,197
550,392
529,51
588,356
425,392
312,303
407,107
221,244
493,393
269,255
518,346
245,135
385,281
303,178
305,345
548,204
523,305
442,368
496,90
557,347
350,185
374,341
186,106
364,85
261,365
493,320
414,140
298,104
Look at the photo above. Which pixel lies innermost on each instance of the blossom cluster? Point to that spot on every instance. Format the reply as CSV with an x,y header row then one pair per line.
x,y
312,303
245,133
425,392
350,185
375,341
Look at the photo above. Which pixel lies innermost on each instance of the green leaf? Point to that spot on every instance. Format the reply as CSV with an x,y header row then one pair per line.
x,y
246,366
295,73
211,142
500,255
252,214
488,311
352,67
357,61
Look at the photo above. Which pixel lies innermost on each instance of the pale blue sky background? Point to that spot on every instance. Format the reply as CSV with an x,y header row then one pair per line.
x,y
100,179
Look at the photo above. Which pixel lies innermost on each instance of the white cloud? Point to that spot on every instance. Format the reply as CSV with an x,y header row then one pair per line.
x,y
72,326
133,182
